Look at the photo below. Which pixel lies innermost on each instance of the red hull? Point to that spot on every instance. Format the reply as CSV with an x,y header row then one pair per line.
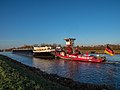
x,y
82,58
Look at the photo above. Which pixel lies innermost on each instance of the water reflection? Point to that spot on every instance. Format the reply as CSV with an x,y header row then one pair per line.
x,y
79,71
96,73
21,58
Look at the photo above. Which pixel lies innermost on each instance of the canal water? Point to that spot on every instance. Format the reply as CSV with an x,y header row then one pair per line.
x,y
85,72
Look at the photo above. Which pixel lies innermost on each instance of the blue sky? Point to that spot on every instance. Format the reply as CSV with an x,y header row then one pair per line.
x,y
91,22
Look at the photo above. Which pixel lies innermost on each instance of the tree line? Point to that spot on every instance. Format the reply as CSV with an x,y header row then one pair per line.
x,y
100,47
95,47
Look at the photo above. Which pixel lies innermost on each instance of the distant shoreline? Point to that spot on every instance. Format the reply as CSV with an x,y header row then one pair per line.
x,y
98,51
90,51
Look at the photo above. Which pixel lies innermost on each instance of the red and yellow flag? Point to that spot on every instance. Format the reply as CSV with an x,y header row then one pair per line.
x,y
109,51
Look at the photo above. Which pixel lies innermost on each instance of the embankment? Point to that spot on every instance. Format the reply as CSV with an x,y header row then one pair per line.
x,y
15,75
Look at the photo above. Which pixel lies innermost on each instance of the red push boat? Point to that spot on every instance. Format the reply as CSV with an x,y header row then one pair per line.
x,y
75,55
86,58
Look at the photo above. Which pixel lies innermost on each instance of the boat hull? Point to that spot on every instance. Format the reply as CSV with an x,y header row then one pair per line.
x,y
82,58
44,55
23,52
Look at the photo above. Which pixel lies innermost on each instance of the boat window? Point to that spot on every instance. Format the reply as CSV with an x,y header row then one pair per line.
x,y
67,40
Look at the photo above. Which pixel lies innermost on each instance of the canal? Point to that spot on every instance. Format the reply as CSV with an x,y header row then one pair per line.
x,y
85,72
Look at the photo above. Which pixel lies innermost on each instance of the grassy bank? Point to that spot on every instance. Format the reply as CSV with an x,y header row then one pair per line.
x,y
14,75
17,76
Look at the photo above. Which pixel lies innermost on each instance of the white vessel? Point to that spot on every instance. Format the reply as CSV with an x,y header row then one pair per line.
x,y
44,52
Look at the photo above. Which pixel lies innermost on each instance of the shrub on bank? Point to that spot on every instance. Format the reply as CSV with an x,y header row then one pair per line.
x,y
11,79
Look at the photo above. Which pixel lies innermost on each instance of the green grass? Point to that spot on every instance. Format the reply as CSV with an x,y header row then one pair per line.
x,y
16,77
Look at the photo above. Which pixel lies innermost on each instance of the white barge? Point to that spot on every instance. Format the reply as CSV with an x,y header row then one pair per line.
x,y
46,52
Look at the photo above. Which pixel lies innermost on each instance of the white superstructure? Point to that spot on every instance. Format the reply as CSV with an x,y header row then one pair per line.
x,y
43,49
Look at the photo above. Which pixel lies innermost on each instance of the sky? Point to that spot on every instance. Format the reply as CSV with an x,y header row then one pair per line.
x,y
28,22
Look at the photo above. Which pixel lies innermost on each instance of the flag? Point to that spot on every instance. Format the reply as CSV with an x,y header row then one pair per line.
x,y
109,51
